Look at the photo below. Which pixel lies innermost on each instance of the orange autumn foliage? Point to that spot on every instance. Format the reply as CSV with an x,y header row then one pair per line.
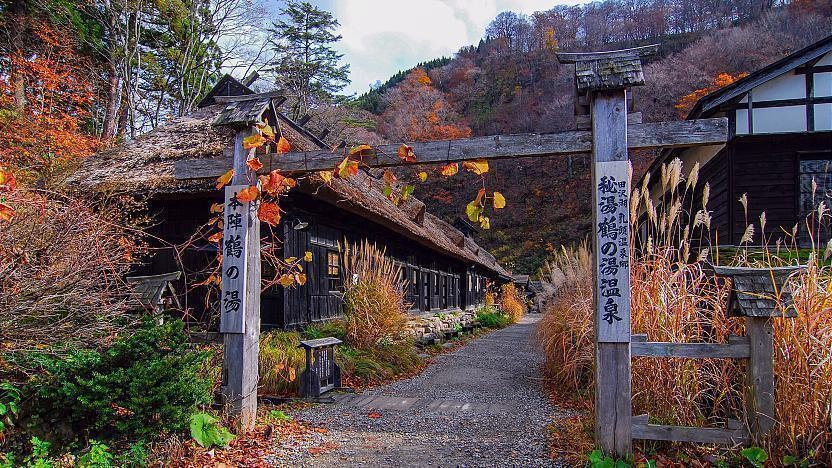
x,y
58,94
687,101
417,111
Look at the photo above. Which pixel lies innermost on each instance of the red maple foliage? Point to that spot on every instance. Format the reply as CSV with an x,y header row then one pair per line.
x,y
48,128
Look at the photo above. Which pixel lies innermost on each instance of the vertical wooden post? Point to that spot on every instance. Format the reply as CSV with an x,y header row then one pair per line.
x,y
611,241
242,335
605,77
760,375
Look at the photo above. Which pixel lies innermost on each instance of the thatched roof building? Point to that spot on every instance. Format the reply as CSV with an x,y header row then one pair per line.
x,y
145,165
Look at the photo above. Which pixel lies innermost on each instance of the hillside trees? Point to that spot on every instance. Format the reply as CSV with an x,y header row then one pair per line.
x,y
306,64
418,111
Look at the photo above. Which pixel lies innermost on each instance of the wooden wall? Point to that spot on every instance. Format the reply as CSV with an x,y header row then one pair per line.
x,y
767,168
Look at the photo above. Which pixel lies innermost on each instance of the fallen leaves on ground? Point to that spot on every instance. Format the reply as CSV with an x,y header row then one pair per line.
x,y
259,448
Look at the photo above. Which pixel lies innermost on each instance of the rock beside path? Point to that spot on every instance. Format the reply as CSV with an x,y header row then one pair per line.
x,y
481,405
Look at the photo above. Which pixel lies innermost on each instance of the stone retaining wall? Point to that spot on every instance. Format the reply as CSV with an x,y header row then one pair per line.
x,y
432,329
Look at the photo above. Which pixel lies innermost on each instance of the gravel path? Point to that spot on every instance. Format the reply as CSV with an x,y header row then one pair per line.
x,y
481,405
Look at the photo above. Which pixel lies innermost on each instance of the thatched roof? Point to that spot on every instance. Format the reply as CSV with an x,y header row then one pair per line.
x,y
146,165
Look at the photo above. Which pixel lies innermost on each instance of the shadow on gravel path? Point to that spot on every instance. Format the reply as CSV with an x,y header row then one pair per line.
x,y
482,405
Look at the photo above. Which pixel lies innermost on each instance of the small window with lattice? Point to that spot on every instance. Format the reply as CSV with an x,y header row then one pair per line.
x,y
333,270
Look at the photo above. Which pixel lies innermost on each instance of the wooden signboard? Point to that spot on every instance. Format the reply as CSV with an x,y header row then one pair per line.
x,y
237,217
612,251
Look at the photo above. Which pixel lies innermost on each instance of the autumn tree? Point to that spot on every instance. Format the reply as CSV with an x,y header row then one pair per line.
x,y
305,63
417,111
47,124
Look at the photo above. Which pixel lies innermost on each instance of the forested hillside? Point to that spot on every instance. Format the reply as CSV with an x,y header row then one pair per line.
x,y
511,82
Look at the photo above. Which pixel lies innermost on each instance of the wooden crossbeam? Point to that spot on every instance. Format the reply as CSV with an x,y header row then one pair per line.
x,y
685,133
697,435
738,347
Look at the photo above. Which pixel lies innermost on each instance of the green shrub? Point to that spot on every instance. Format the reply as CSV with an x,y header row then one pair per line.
x,y
334,328
489,317
148,382
374,365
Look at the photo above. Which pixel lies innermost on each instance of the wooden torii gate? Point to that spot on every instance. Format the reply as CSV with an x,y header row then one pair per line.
x,y
602,80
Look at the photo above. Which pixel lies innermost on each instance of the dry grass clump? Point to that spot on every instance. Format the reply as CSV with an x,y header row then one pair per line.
x,y
62,264
374,306
512,302
566,329
674,299
281,361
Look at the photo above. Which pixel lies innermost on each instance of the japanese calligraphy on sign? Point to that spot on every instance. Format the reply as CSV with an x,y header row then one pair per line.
x,y
612,251
236,218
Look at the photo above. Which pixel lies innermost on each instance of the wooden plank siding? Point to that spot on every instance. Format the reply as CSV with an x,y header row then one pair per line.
x,y
292,308
438,278
767,169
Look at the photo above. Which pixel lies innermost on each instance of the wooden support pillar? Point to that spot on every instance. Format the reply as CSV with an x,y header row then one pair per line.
x,y
241,327
760,376
611,241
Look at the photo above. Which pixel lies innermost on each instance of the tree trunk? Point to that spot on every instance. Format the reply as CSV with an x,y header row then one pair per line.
x,y
108,130
17,28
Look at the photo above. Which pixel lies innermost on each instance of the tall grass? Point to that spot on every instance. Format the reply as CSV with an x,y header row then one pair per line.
x,y
374,307
674,299
512,302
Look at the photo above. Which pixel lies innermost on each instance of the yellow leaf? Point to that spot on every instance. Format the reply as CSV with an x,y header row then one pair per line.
x,y
499,200
283,146
267,131
473,210
450,169
406,154
347,168
217,207
485,223
291,260
286,280
479,166
224,179
6,212
253,141
326,176
359,149
307,256
300,278
423,176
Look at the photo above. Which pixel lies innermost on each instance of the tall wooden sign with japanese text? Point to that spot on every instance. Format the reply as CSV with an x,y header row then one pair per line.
x,y
602,79
612,250
237,216
241,282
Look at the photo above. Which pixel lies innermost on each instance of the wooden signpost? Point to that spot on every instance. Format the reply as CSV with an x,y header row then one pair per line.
x,y
240,301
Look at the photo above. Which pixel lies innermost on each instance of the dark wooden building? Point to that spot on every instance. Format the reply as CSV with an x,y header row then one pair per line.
x,y
780,124
445,268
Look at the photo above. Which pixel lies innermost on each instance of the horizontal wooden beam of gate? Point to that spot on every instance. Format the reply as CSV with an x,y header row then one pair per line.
x,y
697,435
684,133
738,347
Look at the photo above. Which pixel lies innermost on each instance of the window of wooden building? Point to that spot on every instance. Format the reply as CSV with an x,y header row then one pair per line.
x,y
333,270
